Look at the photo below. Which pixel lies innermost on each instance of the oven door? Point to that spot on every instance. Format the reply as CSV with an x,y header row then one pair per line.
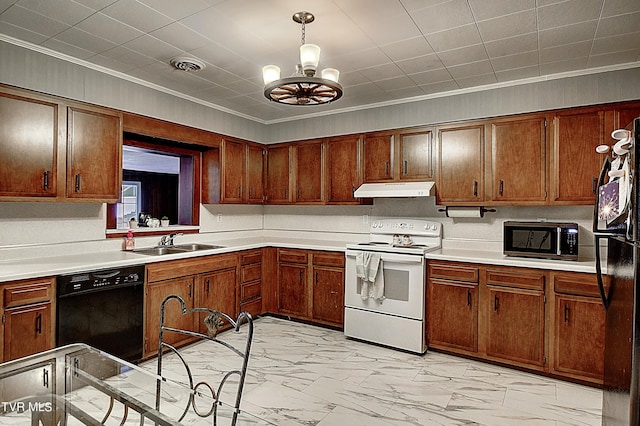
x,y
403,285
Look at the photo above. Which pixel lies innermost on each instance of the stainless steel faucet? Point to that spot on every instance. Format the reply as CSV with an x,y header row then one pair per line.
x,y
167,240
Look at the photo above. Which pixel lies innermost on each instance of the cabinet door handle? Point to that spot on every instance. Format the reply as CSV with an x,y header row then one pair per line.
x,y
501,190
78,182
285,193
207,286
405,167
386,168
468,297
298,195
495,303
45,180
316,277
190,291
239,191
39,323
566,313
353,190
301,276
45,377
594,184
251,192
475,188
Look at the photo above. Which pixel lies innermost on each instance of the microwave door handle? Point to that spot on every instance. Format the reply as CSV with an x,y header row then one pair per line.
x,y
558,240
603,294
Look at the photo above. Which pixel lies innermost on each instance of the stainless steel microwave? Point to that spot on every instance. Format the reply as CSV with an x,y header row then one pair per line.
x,y
548,240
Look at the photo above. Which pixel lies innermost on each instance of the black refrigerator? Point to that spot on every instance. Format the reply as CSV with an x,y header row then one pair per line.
x,y
617,220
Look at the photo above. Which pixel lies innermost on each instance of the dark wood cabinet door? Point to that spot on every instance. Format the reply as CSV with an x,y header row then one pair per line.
x,y
292,289
624,115
452,315
461,165
416,155
516,325
344,171
378,157
309,172
255,174
328,295
27,330
579,336
155,294
518,151
278,169
29,135
576,164
233,163
218,292
94,154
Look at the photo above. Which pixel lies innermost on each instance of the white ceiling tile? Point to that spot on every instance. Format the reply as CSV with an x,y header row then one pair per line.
x,y
443,16
567,51
112,63
563,66
483,9
137,15
471,69
180,36
397,83
477,80
519,60
106,27
464,55
65,11
512,45
568,12
32,21
439,87
413,5
382,72
85,40
616,43
153,48
567,34
518,73
363,59
127,56
620,24
429,77
67,49
405,49
619,7
508,26
177,9
96,4
386,29
621,57
420,64
21,33
455,38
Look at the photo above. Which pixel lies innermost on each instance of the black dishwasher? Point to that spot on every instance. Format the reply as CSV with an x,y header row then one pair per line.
x,y
104,309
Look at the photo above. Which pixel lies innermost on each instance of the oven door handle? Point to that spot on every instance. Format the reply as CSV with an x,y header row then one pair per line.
x,y
391,257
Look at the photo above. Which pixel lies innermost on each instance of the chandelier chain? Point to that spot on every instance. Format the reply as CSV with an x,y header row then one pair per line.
x,y
303,31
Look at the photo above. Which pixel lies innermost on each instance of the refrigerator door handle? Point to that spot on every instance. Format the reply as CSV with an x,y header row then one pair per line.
x,y
603,292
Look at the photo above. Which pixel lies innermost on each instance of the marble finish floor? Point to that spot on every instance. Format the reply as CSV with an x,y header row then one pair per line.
x,y
306,375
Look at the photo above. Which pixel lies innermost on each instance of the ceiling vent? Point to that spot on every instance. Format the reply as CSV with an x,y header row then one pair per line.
x,y
184,63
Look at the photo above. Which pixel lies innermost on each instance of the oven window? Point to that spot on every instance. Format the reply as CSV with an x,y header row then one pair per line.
x,y
396,285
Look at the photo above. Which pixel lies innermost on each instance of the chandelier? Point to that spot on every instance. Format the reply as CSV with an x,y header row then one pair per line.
x,y
303,87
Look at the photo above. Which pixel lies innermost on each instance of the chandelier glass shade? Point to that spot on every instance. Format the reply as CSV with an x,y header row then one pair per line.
x,y
303,87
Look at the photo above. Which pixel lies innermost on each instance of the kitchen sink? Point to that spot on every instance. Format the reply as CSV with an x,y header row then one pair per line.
x,y
182,248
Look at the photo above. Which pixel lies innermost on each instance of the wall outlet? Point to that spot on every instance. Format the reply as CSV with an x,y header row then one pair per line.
x,y
365,219
219,218
542,219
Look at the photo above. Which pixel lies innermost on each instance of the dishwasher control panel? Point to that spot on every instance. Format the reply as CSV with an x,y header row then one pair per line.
x,y
100,279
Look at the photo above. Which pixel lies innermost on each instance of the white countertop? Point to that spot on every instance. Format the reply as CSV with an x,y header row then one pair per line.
x,y
34,265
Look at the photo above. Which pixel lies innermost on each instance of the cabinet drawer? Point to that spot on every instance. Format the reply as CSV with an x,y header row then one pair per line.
x,y
328,259
185,267
250,257
518,278
577,284
249,290
250,272
254,307
27,292
292,256
453,271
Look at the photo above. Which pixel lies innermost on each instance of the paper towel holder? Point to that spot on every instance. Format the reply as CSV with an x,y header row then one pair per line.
x,y
482,211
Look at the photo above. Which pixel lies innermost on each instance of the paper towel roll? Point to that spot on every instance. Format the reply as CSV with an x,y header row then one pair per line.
x,y
464,212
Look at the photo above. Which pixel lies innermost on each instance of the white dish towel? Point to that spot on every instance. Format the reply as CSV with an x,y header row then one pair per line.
x,y
368,266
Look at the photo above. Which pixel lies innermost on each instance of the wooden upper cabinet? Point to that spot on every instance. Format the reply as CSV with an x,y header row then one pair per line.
x,y
255,173
29,138
415,155
343,169
460,165
278,170
377,157
518,160
94,153
576,164
309,177
624,115
233,171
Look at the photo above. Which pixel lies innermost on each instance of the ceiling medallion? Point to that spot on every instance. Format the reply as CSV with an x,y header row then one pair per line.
x,y
303,87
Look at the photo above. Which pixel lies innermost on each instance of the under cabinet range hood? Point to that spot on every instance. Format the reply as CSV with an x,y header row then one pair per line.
x,y
395,190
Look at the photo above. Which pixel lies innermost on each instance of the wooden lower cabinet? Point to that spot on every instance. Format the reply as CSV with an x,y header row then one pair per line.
x,y
250,287
544,321
578,327
311,285
452,306
217,292
28,317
